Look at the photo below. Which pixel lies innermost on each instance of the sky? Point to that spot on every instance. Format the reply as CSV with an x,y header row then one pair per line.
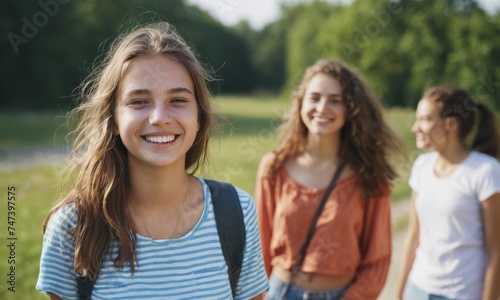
x,y
261,12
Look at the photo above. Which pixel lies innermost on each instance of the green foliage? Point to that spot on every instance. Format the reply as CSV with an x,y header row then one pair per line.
x,y
36,189
31,129
400,47
51,47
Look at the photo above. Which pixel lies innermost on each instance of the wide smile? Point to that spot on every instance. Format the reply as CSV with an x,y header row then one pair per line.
x,y
161,139
321,119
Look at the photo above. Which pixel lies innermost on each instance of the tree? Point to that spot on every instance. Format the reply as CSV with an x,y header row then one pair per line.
x,y
47,53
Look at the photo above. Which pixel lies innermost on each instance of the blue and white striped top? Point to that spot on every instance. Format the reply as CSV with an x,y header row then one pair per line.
x,y
189,267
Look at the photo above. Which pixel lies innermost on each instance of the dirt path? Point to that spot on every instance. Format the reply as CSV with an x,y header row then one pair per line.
x,y
399,211
25,158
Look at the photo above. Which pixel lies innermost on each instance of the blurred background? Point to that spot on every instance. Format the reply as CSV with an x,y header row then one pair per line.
x,y
257,51
401,47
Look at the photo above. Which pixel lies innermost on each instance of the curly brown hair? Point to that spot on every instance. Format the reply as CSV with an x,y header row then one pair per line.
x,y
367,142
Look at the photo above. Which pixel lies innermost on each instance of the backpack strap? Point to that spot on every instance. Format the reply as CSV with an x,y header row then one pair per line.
x,y
230,226
85,286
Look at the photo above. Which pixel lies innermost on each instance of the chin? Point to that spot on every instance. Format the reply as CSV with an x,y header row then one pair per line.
x,y
423,146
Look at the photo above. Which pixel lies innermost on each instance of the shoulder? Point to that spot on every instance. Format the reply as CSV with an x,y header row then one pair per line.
x,y
482,161
64,218
425,158
244,198
423,161
420,168
482,167
60,228
266,161
483,172
267,167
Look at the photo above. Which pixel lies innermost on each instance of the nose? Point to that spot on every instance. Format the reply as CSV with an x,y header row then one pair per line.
x,y
414,127
322,105
160,115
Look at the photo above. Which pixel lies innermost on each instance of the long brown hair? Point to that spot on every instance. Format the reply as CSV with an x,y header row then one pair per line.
x,y
99,162
366,140
457,103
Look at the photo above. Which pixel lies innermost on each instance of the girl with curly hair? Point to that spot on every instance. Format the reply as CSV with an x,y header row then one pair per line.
x,y
334,121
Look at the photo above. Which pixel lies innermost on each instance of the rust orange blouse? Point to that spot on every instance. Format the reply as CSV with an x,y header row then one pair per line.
x,y
353,235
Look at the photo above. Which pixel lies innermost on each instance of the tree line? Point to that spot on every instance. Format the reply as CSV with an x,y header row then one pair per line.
x,y
400,47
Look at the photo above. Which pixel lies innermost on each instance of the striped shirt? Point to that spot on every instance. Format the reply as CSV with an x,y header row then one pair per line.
x,y
189,267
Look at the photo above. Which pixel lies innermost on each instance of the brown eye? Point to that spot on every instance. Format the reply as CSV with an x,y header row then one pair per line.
x,y
138,102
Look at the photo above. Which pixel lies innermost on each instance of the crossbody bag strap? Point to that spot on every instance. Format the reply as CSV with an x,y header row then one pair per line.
x,y
312,229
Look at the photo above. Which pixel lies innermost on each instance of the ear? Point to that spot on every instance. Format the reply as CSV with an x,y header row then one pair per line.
x,y
452,124
115,130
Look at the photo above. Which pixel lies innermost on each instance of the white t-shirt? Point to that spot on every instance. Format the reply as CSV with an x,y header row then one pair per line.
x,y
451,257
189,267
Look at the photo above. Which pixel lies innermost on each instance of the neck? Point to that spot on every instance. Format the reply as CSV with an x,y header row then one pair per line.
x,y
153,188
454,153
322,148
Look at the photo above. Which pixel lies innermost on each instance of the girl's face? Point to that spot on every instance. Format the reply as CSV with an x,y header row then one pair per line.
x,y
429,127
156,111
323,111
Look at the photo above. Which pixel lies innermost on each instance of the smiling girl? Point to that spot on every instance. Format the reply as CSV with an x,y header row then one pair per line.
x,y
333,121
137,222
453,242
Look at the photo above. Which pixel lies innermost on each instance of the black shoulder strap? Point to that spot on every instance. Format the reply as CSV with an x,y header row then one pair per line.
x,y
312,228
85,286
230,226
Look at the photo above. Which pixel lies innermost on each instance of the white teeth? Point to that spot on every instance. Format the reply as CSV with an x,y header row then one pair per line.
x,y
160,139
321,119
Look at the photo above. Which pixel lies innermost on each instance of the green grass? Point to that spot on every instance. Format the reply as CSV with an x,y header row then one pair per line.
x,y
32,129
36,189
236,153
235,157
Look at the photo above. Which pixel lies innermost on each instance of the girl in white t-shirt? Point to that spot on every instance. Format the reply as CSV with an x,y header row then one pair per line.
x,y
452,248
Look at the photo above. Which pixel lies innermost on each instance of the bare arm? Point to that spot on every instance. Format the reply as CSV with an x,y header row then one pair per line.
x,y
491,224
53,296
258,297
411,244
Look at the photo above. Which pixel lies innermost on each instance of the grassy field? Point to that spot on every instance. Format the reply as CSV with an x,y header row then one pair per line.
x,y
30,129
236,154
235,157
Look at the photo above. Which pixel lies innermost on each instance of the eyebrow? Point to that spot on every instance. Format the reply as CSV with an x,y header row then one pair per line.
x,y
143,92
330,95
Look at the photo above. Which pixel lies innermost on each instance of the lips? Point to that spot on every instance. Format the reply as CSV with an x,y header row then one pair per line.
x,y
321,119
163,139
